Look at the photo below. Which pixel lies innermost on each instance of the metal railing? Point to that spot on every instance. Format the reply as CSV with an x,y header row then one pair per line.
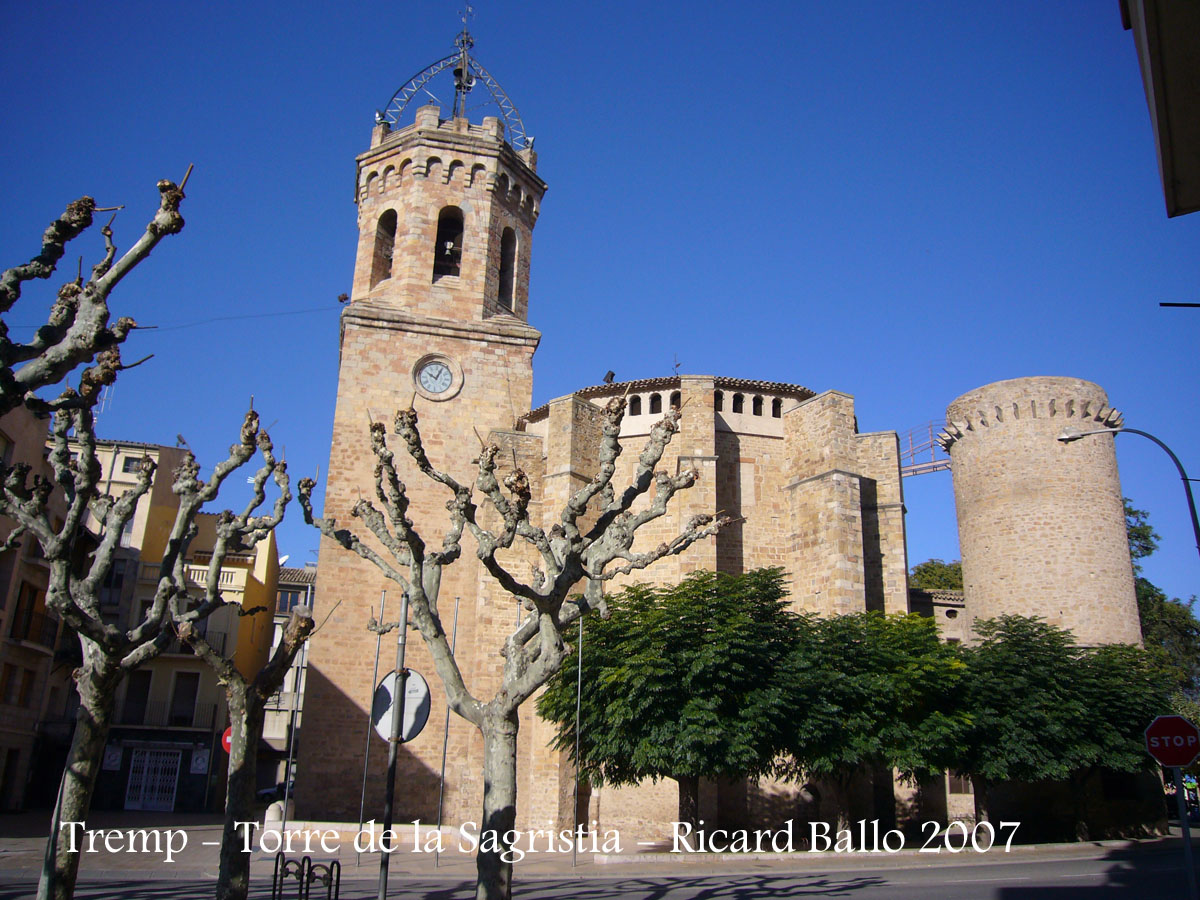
x,y
164,715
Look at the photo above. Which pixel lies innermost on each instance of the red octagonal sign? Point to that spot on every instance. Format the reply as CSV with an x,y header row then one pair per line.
x,y
1173,740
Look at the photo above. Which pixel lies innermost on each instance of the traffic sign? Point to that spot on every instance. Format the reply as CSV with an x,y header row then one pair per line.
x,y
1173,741
416,706
227,739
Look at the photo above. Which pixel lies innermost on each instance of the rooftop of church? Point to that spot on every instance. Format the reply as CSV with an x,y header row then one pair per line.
x,y
672,382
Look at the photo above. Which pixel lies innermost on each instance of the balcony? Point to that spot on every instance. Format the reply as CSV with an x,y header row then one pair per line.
x,y
162,715
284,701
34,628
229,579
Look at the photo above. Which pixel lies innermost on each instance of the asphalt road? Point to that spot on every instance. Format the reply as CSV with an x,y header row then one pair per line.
x,y
1145,873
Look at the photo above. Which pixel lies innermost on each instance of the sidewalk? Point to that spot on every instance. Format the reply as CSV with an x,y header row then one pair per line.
x,y
192,843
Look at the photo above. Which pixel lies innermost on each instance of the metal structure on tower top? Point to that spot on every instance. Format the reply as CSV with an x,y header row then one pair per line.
x,y
467,71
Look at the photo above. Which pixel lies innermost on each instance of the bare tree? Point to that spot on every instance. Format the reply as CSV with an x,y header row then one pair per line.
x,y
570,555
245,696
78,333
77,330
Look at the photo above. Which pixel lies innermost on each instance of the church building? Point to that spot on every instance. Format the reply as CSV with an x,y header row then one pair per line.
x,y
440,317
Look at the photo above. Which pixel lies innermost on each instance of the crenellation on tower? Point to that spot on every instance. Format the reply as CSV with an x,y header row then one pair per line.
x,y
446,216
1041,523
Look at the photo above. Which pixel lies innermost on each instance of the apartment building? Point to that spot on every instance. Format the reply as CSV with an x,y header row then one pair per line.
x,y
35,686
164,750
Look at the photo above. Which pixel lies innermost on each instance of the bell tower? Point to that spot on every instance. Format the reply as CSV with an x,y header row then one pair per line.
x,y
437,318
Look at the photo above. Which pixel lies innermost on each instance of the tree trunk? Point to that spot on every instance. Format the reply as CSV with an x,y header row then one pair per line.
x,y
979,787
246,715
689,799
96,681
1078,783
499,806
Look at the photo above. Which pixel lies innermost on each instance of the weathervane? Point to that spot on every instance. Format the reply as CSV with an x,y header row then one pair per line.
x,y
467,71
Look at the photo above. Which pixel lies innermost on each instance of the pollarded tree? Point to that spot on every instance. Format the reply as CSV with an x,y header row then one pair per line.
x,y
246,694
681,682
571,555
78,333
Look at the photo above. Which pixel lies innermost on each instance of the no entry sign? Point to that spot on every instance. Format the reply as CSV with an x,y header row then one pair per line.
x,y
1173,740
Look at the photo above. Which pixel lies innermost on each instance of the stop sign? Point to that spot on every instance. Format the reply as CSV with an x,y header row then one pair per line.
x,y
227,739
1173,740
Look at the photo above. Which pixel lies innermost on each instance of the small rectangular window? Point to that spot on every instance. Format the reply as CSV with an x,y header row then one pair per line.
x,y
958,783
131,464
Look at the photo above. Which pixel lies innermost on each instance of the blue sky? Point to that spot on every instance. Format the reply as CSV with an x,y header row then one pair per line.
x,y
901,201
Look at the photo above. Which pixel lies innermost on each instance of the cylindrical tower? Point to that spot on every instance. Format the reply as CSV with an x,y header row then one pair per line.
x,y
1041,523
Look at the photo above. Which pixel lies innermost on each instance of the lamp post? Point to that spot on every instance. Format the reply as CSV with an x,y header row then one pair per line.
x,y
1073,434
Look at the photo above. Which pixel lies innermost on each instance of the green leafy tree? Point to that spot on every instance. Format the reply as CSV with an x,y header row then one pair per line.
x,y
1172,626
1122,689
681,682
1043,708
937,575
870,691
1169,623
1027,720
1143,540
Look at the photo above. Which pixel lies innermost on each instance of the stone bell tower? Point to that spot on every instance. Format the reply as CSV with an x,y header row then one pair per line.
x,y
437,318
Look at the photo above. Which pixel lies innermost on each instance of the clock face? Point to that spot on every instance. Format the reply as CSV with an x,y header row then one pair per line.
x,y
435,377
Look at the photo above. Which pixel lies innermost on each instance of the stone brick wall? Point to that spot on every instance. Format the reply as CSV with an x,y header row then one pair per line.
x,y
1041,523
387,329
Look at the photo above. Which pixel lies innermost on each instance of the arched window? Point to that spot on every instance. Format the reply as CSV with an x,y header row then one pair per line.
x,y
385,243
447,256
655,403
718,401
675,400
776,408
739,403
508,267
635,406
756,406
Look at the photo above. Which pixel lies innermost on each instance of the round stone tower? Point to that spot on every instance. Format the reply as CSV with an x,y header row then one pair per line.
x,y
1041,523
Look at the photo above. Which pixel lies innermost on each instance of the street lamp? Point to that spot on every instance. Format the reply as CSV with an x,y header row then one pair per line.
x,y
1074,434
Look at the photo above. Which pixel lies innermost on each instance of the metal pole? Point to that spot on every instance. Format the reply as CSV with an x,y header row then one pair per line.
x,y
1181,802
362,803
394,746
578,695
297,672
437,850
1187,483
1072,435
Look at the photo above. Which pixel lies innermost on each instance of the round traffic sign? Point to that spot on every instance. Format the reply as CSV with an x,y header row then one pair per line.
x,y
227,739
1173,740
416,706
